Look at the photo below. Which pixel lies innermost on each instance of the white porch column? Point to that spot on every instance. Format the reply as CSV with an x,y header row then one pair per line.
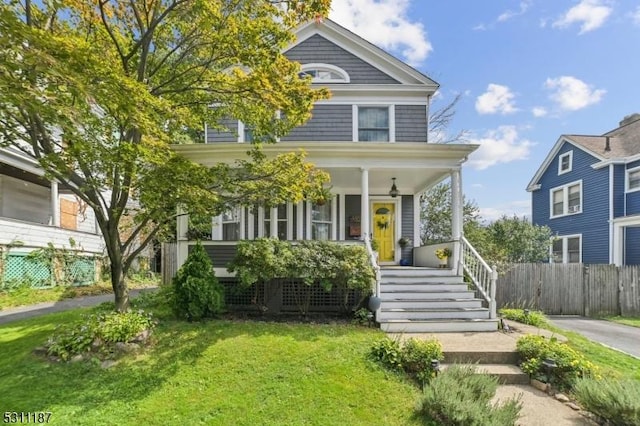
x,y
342,221
300,221
364,204
55,204
334,218
456,214
182,226
273,223
417,239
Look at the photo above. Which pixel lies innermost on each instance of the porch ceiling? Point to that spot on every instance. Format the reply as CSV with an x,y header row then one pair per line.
x,y
416,166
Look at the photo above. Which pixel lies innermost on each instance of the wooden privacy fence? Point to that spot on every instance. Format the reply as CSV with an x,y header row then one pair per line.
x,y
169,261
571,289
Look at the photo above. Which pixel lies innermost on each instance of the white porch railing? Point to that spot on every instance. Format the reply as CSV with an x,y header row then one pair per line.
x,y
374,264
481,274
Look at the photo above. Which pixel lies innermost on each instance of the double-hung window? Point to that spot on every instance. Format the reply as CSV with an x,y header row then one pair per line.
x,y
231,225
566,199
321,222
374,123
633,179
567,249
281,221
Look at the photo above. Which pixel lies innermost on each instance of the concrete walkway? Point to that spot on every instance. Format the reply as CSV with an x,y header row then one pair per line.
x,y
620,337
538,408
22,312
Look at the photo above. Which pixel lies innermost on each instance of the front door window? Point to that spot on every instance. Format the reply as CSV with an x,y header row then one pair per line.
x,y
384,230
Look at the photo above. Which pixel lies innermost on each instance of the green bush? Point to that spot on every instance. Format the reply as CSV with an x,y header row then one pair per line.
x,y
387,352
616,401
197,293
535,318
570,364
261,260
103,328
459,396
417,356
413,357
333,266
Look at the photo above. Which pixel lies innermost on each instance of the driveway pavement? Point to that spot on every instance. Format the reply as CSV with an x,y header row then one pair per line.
x,y
623,338
22,312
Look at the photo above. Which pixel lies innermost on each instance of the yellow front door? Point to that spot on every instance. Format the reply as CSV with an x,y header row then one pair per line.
x,y
384,225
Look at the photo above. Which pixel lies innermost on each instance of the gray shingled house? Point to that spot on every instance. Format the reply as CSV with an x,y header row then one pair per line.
x,y
371,136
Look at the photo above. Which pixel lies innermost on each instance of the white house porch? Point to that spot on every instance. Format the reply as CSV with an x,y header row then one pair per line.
x,y
362,175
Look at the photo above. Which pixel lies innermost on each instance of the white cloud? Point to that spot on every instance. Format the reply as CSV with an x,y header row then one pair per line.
x,y
591,14
572,94
539,111
635,16
477,185
497,99
519,208
501,145
505,16
385,23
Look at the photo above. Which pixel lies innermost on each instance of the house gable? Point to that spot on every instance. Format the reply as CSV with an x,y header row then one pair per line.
x,y
317,49
590,220
349,42
551,160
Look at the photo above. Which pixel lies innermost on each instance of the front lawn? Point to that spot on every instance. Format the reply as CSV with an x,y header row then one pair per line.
x,y
217,372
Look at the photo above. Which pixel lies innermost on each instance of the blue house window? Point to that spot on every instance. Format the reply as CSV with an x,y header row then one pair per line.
x,y
567,249
566,199
633,179
565,162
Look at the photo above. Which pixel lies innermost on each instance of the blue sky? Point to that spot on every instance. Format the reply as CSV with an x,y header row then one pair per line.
x,y
528,72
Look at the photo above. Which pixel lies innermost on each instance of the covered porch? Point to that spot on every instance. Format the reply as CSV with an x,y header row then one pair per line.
x,y
376,190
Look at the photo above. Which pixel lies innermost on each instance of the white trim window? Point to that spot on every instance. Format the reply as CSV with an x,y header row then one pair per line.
x,y
231,224
633,179
324,73
281,219
566,199
567,249
322,221
374,123
565,163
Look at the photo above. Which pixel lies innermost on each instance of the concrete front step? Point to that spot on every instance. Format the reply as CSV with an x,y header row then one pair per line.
x,y
438,325
506,374
415,271
482,357
432,303
420,279
424,295
422,286
433,313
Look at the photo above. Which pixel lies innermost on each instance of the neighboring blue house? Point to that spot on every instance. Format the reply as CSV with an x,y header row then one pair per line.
x,y
587,191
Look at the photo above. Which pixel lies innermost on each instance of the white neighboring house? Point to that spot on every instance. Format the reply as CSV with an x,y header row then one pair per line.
x,y
36,212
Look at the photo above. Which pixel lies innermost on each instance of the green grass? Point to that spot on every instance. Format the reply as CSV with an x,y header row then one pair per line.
x,y
218,373
632,321
23,295
611,362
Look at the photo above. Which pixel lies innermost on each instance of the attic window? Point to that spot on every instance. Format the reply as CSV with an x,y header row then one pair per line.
x,y
565,162
324,73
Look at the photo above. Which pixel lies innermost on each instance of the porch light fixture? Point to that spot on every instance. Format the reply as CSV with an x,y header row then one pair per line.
x,y
394,190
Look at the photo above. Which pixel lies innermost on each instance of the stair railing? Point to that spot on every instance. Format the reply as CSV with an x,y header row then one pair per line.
x,y
374,265
482,276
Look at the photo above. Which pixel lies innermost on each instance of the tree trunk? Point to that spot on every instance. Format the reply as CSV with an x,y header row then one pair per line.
x,y
120,289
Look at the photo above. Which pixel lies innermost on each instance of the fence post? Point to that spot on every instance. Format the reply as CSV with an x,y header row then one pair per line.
x,y
492,292
585,295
